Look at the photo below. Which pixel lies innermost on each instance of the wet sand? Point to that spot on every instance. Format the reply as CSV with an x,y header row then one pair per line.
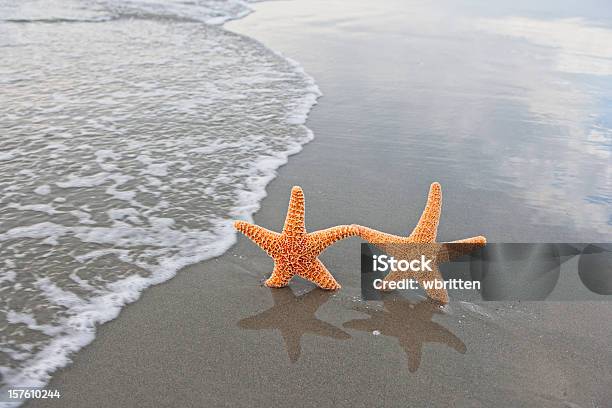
x,y
214,336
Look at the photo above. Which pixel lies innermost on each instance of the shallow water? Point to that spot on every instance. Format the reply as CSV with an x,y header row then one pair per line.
x,y
130,138
505,103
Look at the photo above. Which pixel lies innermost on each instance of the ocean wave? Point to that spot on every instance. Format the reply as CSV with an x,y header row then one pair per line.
x,y
128,149
213,12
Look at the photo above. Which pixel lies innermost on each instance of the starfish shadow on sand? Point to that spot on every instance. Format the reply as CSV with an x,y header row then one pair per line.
x,y
412,325
293,316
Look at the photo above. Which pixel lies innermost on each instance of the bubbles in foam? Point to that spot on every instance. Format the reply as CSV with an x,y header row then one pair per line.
x,y
129,165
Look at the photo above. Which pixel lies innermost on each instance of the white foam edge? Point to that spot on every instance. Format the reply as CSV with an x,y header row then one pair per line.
x,y
57,354
250,199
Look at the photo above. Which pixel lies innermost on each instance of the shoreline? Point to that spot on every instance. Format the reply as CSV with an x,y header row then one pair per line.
x,y
59,353
197,339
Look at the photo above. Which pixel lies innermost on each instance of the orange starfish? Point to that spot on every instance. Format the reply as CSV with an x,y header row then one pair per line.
x,y
424,233
294,250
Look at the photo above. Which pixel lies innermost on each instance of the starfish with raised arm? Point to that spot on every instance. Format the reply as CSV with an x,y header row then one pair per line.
x,y
295,252
424,233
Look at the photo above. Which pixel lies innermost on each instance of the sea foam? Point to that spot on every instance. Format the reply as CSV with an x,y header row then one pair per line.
x,y
132,143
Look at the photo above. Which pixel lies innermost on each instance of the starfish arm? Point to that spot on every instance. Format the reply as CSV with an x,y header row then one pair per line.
x,y
376,237
294,223
292,344
413,355
264,238
440,334
325,329
280,278
264,320
320,240
318,274
455,249
395,276
427,227
437,295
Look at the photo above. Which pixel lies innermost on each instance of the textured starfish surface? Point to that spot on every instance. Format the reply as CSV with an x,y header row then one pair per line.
x,y
424,233
293,316
295,252
411,324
